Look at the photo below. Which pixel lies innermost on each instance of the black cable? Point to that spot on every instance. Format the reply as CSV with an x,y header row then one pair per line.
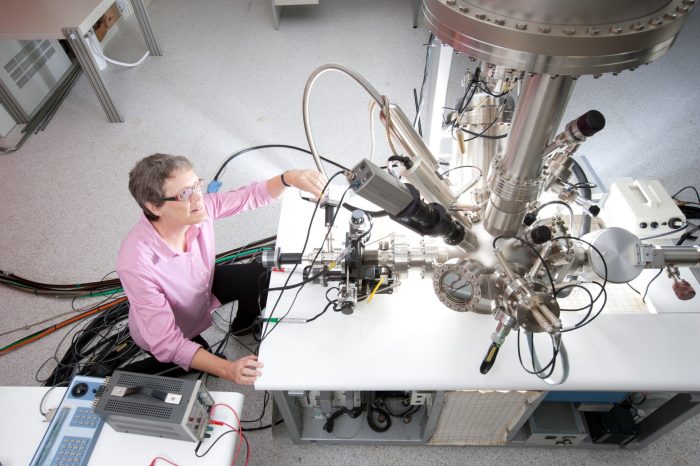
x,y
649,284
254,429
687,187
264,331
373,213
584,322
352,413
488,127
419,103
298,284
633,288
328,230
381,413
322,312
196,450
266,399
550,365
269,146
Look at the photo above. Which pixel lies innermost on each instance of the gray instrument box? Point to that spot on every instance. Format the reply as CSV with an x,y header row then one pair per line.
x,y
555,424
154,405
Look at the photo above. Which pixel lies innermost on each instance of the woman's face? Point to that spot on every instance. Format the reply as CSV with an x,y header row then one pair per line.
x,y
182,210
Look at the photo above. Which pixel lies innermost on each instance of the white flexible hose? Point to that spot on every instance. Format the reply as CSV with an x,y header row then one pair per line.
x,y
92,40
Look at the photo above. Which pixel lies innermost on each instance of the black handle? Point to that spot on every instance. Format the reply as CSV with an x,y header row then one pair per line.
x,y
489,359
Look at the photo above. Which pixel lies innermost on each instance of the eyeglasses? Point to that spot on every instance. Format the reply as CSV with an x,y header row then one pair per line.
x,y
186,193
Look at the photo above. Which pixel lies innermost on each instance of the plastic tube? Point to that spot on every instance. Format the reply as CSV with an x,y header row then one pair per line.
x,y
97,50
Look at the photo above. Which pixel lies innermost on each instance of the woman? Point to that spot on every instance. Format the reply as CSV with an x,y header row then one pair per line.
x,y
166,265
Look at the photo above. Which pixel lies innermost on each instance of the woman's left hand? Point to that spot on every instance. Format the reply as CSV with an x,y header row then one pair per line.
x,y
311,181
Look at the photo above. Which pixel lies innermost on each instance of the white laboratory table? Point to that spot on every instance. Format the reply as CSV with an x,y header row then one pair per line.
x,y
70,20
410,341
22,428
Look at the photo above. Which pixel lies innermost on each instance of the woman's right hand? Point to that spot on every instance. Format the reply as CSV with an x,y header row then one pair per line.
x,y
243,371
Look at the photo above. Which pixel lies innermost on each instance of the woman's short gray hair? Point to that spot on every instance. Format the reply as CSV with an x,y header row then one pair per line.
x,y
148,176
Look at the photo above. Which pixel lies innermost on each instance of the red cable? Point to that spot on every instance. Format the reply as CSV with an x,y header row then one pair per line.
x,y
240,431
153,462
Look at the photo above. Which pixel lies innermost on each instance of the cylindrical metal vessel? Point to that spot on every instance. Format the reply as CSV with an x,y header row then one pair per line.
x,y
559,36
514,179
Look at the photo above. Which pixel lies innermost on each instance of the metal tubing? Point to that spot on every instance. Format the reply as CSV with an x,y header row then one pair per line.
x,y
438,79
74,73
540,107
307,92
682,256
514,179
541,320
504,265
12,106
553,319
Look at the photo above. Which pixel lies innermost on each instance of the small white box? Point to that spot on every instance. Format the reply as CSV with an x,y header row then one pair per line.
x,y
642,207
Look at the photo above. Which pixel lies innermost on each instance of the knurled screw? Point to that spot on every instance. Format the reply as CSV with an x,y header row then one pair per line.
x,y
593,30
545,29
521,26
463,9
500,22
682,9
451,2
480,16
615,29
670,15
656,21
569,31
637,26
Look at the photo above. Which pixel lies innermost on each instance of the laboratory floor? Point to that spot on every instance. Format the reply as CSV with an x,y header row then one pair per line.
x,y
228,80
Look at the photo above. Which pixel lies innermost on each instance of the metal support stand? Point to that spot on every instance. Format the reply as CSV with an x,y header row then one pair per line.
x,y
670,415
146,30
276,12
87,62
416,12
13,108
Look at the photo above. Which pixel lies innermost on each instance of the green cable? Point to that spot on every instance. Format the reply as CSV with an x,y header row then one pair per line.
x,y
240,254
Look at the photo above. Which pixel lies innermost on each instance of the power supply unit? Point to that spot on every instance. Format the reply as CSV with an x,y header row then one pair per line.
x,y
155,405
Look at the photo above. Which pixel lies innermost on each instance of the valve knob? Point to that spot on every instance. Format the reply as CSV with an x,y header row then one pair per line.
x,y
684,291
590,122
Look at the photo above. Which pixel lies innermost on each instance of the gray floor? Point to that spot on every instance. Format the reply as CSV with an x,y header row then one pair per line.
x,y
227,80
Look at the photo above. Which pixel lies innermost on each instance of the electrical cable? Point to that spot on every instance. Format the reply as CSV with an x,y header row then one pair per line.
x,y
269,426
421,95
693,188
271,146
571,211
265,332
328,230
646,290
683,227
481,173
550,366
97,50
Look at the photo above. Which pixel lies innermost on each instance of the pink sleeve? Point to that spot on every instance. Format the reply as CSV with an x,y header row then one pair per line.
x,y
151,321
239,200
